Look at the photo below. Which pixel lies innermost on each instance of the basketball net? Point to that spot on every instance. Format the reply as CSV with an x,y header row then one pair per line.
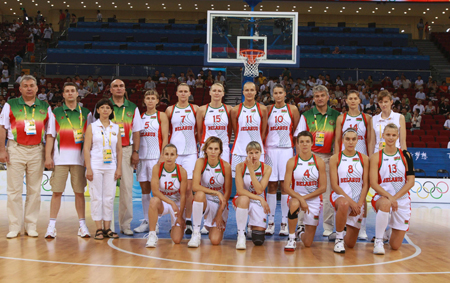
x,y
251,59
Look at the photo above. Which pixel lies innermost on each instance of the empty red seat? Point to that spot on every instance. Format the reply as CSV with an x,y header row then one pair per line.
x,y
433,145
442,139
433,133
409,144
419,144
427,139
418,132
413,138
444,144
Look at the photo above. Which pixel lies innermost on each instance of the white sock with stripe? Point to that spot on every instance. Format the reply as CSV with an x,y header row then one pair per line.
x,y
197,211
284,208
145,205
381,223
241,220
272,202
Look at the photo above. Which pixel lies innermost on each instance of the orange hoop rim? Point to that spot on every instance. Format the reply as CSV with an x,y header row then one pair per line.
x,y
252,57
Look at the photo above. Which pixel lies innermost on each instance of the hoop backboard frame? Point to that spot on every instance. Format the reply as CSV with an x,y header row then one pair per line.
x,y
209,60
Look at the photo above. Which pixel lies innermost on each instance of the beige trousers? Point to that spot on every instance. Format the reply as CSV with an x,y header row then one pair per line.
x,y
28,160
126,190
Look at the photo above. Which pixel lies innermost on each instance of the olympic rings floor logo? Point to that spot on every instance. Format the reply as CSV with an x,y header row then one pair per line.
x,y
430,189
45,180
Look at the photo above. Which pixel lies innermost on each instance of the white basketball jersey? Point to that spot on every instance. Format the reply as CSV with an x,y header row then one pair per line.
x,y
305,177
151,137
359,123
216,124
248,185
379,125
248,129
280,127
170,183
392,172
213,178
182,130
350,174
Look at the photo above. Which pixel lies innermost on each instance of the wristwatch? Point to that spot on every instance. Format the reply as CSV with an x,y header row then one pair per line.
x,y
136,150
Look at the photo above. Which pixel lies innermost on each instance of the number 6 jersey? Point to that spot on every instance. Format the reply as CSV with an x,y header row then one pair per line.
x,y
213,178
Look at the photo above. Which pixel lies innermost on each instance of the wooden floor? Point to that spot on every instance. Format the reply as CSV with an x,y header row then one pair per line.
x,y
71,259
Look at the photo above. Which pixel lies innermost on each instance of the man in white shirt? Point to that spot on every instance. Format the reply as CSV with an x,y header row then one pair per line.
x,y
405,82
319,80
447,124
419,106
420,94
82,92
308,92
47,34
397,82
271,84
418,83
163,79
42,96
149,84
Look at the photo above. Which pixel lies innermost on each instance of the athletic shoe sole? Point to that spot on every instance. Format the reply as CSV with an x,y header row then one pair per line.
x,y
340,252
289,249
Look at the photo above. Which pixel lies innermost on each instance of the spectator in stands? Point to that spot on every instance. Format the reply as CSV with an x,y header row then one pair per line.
x,y
366,99
339,82
12,95
405,97
173,79
48,32
301,84
430,81
396,99
301,105
191,81
149,84
443,87
263,88
260,79
268,99
165,98
156,76
90,82
114,19
286,73
220,78
95,89
163,79
336,50
199,82
419,106
5,80
397,83
100,83
444,108
446,124
30,50
307,92
18,60
371,106
369,82
99,16
42,95
418,83
403,105
285,81
189,73
19,77
67,18
62,20
333,100
430,109
78,80
319,80
42,81
139,86
405,82
202,75
416,119
433,89
420,28
312,82
329,80
209,81
191,98
182,78
296,92
83,92
360,84
338,92
407,115
386,82
57,98
271,84
420,94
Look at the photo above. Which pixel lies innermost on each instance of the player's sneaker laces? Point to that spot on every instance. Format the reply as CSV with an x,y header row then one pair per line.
x,y
339,246
204,231
83,232
291,245
378,248
51,232
152,240
270,229
284,230
143,227
194,242
188,230
241,243
300,230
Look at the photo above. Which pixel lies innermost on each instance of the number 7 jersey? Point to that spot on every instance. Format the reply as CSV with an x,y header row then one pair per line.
x,y
182,130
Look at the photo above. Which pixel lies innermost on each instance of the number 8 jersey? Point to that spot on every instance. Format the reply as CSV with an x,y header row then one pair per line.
x,y
170,183
350,174
305,176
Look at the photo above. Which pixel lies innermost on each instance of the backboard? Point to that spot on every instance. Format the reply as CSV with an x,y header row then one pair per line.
x,y
275,33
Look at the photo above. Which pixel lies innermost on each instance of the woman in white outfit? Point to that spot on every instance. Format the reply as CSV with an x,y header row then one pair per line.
x,y
103,157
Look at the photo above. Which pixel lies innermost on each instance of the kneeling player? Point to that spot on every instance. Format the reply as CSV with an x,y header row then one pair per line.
x,y
212,187
391,176
349,176
307,174
252,177
168,183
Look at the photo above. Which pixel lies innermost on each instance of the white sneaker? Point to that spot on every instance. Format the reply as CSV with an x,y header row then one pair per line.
x,y
188,230
195,240
152,240
284,230
327,233
143,227
51,232
83,232
378,248
31,233
12,234
362,235
291,245
339,246
204,231
270,229
241,243
300,230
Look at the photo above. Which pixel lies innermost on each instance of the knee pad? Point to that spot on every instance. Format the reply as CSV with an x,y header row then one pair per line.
x,y
258,237
295,215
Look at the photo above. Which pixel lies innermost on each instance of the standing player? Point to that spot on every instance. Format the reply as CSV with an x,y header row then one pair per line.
x,y
249,120
212,187
65,139
349,174
391,176
305,181
362,123
154,137
279,147
320,121
252,177
379,122
182,135
169,181
213,120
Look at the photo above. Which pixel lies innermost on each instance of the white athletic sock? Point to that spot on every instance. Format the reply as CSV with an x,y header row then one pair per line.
x,y
272,202
284,208
292,236
241,220
381,223
82,221
197,211
152,233
340,235
363,224
145,205
188,219
52,222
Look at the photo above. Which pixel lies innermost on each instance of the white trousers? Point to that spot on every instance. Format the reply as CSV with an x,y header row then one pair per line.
x,y
102,190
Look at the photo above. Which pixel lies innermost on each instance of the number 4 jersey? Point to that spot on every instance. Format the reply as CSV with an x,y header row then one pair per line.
x,y
305,176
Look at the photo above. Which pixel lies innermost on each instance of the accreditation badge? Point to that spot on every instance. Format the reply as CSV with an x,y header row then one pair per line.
x,y
30,127
78,136
320,139
381,145
122,130
107,156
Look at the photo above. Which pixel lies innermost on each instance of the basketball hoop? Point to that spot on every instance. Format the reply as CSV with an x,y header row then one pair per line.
x,y
251,59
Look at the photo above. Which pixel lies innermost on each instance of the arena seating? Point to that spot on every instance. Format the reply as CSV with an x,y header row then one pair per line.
x,y
12,49
442,39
